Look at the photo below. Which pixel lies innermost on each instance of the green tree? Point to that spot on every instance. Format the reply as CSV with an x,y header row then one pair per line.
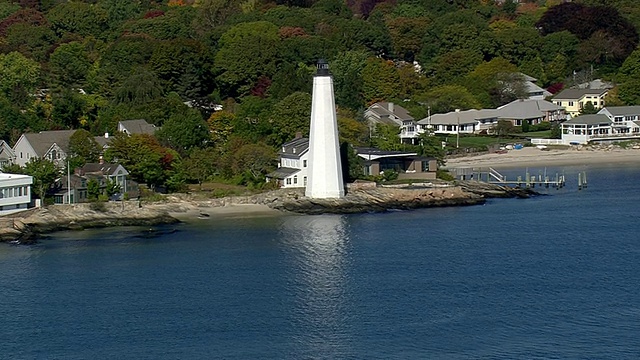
x,y
240,46
78,17
386,137
200,165
503,128
83,145
431,146
289,116
70,64
18,77
380,80
629,79
93,189
44,174
588,108
255,159
347,70
446,98
184,131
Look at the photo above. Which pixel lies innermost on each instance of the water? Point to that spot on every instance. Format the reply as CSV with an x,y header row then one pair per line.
x,y
554,277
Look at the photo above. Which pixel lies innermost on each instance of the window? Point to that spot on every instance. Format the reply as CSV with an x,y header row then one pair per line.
x,y
288,181
304,163
305,181
20,154
295,179
570,103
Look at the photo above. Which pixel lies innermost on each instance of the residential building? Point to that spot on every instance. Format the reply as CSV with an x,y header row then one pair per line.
x,y
532,111
482,121
50,145
15,193
574,100
293,164
138,126
7,156
534,91
585,128
387,113
408,165
73,189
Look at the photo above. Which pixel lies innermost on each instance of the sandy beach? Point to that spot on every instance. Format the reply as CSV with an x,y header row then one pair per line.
x,y
533,157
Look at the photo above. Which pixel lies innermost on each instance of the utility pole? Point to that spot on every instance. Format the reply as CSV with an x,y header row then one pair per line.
x,y
458,129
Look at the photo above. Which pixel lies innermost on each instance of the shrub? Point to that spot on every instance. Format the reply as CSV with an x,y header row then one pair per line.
x,y
444,175
98,206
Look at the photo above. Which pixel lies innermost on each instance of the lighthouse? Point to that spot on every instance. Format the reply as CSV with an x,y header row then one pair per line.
x,y
325,166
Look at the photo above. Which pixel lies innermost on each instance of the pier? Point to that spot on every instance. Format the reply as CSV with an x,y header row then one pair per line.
x,y
543,179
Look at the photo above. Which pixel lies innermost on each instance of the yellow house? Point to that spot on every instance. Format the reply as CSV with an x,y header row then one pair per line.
x,y
574,100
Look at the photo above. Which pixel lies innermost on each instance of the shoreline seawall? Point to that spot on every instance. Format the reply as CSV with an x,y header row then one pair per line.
x,y
26,227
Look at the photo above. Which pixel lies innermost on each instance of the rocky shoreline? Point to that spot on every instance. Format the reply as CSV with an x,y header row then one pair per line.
x,y
26,227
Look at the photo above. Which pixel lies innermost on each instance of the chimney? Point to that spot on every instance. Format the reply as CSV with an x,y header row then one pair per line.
x,y
298,135
391,107
101,160
106,135
294,150
78,171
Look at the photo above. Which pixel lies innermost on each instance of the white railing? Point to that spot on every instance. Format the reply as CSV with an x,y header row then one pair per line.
x,y
496,175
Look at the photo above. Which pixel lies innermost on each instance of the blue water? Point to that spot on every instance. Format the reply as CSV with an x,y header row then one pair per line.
x,y
553,277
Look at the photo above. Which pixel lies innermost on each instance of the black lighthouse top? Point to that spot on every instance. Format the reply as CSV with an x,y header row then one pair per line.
x,y
322,68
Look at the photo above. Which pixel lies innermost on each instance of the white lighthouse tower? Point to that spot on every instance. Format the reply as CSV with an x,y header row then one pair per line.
x,y
325,167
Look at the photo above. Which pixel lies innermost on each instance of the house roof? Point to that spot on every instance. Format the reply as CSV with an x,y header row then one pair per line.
x,y
103,141
282,173
105,168
295,147
623,110
526,109
138,126
382,110
6,152
591,119
368,153
42,141
465,117
595,84
572,94
533,88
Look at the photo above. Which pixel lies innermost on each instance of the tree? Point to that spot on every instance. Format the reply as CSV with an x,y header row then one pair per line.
x,y
93,189
347,70
431,146
240,46
200,165
18,77
78,17
44,174
380,80
629,79
446,98
290,116
588,108
70,64
184,131
386,137
255,159
503,128
83,145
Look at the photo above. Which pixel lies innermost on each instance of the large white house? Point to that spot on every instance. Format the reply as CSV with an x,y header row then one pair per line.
x,y
614,123
293,166
50,145
15,193
532,111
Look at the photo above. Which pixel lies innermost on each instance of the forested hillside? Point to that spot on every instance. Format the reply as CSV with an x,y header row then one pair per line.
x,y
89,64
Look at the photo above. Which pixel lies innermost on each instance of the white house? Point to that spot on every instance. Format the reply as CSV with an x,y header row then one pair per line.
x,y
15,193
7,156
293,166
50,145
582,129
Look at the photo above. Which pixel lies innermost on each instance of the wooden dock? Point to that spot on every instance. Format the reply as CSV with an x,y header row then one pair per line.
x,y
542,179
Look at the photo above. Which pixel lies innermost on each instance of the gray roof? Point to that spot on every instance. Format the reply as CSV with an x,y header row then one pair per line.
x,y
623,110
139,126
42,141
463,117
527,109
592,119
533,88
595,84
295,147
571,94
282,173
104,169
382,109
